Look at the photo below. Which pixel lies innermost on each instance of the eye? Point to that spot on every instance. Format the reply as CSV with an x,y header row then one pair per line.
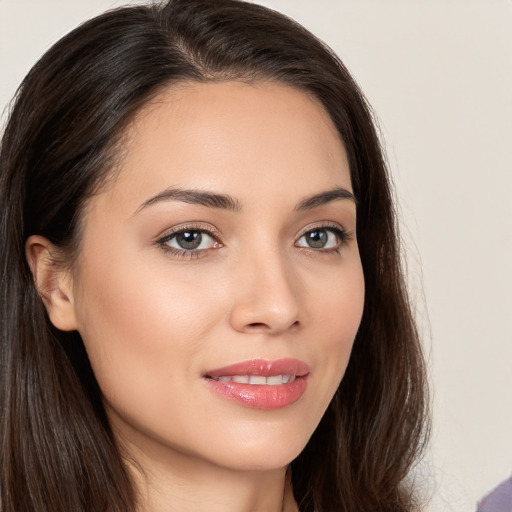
x,y
189,241
322,238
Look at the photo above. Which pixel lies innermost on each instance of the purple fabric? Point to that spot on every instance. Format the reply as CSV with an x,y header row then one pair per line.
x,y
499,500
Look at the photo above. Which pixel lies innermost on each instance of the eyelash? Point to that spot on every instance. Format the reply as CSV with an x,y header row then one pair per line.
x,y
342,235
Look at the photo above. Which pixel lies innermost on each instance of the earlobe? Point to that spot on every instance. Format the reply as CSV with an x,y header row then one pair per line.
x,y
53,282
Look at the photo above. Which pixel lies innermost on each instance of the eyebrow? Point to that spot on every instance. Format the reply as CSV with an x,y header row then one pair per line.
x,y
201,197
335,194
226,202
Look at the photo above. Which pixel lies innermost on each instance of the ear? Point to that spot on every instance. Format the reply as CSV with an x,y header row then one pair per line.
x,y
53,282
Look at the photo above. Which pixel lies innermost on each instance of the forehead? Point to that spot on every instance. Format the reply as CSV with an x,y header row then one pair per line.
x,y
247,139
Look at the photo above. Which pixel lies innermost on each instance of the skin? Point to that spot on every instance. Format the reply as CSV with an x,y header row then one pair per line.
x,y
154,320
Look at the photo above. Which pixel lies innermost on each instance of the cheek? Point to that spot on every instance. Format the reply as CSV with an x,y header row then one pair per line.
x,y
338,311
336,297
342,314
141,327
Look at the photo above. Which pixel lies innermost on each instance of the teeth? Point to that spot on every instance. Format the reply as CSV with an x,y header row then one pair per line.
x,y
257,379
242,379
274,380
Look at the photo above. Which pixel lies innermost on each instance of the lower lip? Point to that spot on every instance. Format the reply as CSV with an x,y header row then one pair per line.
x,y
260,396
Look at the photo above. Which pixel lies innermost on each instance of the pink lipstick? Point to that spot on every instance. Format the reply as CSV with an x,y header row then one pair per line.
x,y
259,383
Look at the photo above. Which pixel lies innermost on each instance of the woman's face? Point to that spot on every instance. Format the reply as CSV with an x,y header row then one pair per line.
x,y
219,287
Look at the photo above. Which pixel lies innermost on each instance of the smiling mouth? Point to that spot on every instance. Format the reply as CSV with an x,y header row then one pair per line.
x,y
258,380
260,384
260,372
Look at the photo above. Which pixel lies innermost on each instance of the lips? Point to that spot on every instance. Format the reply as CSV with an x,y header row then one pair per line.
x,y
259,383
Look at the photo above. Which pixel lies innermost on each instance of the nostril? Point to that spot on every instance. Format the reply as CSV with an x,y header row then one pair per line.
x,y
295,325
264,326
259,325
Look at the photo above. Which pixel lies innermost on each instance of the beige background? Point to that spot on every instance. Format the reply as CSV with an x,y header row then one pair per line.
x,y
439,75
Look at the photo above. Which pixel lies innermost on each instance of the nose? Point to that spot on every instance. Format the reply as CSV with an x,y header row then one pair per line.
x,y
267,297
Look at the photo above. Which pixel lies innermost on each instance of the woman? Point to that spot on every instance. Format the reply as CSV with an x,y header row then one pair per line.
x,y
192,317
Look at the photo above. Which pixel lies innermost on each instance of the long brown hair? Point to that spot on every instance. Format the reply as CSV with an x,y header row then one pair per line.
x,y
57,451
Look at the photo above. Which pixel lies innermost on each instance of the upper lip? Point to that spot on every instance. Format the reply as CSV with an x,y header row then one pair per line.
x,y
262,367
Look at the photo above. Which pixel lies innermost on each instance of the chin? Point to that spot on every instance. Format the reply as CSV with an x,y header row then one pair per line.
x,y
261,453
